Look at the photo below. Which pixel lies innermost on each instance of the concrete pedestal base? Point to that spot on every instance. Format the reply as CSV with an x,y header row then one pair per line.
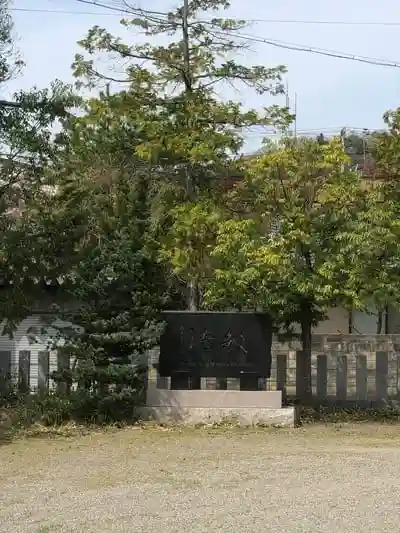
x,y
192,407
243,416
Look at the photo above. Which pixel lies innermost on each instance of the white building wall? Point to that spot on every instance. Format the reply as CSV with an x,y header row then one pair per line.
x,y
337,322
364,323
31,335
393,320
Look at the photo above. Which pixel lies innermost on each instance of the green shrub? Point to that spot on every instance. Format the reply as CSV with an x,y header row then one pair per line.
x,y
8,392
87,406
20,411
51,409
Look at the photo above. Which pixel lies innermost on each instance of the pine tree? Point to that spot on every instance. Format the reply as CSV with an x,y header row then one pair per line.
x,y
106,262
171,94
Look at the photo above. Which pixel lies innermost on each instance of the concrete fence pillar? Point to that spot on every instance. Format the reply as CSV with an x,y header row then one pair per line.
x,y
24,370
322,378
63,363
381,376
341,377
281,373
43,370
361,378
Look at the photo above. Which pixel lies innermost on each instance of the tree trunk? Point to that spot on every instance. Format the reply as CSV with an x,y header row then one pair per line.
x,y
193,296
379,323
304,389
187,77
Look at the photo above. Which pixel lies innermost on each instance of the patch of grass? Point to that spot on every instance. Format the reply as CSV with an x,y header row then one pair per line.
x,y
14,430
43,529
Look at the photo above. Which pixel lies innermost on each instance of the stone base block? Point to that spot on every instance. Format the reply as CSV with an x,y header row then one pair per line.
x,y
215,399
280,417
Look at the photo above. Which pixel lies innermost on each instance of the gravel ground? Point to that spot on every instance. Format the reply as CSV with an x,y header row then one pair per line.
x,y
316,479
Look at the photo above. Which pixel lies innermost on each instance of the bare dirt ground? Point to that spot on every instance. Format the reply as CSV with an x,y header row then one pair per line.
x,y
314,479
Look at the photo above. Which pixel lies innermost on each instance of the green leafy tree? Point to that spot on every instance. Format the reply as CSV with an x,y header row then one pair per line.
x,y
27,148
387,152
385,149
306,235
360,147
10,62
171,93
105,258
189,243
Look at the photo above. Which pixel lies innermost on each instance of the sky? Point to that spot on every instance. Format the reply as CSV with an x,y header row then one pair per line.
x,y
331,93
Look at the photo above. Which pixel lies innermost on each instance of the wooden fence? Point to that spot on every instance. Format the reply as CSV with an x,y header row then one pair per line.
x,y
31,369
348,369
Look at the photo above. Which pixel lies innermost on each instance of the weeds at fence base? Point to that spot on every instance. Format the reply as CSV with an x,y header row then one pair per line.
x,y
53,414
335,414
70,429
232,423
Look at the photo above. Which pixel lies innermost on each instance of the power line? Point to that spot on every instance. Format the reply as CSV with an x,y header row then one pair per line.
x,y
278,44
126,9
115,11
327,130
271,21
318,51
326,22
61,11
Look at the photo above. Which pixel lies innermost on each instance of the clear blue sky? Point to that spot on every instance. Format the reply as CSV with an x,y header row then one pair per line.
x,y
331,93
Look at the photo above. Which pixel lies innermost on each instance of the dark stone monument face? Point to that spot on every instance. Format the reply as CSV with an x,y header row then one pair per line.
x,y
221,345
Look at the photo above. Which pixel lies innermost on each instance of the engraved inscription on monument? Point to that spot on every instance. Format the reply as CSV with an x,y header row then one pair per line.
x,y
210,344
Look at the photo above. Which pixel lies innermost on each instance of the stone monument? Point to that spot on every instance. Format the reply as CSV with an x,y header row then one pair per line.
x,y
200,346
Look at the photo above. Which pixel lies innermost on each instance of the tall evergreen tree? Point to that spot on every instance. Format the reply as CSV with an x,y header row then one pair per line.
x,y
101,212
171,93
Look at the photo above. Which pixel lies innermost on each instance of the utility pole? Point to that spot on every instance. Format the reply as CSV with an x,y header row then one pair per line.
x,y
287,96
187,78
193,288
186,50
288,129
295,110
342,138
364,153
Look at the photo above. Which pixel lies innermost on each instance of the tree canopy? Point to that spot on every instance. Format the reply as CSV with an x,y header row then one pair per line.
x,y
305,235
138,193
28,148
184,127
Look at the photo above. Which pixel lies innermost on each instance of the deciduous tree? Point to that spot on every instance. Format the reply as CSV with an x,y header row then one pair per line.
x,y
171,91
27,148
306,235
